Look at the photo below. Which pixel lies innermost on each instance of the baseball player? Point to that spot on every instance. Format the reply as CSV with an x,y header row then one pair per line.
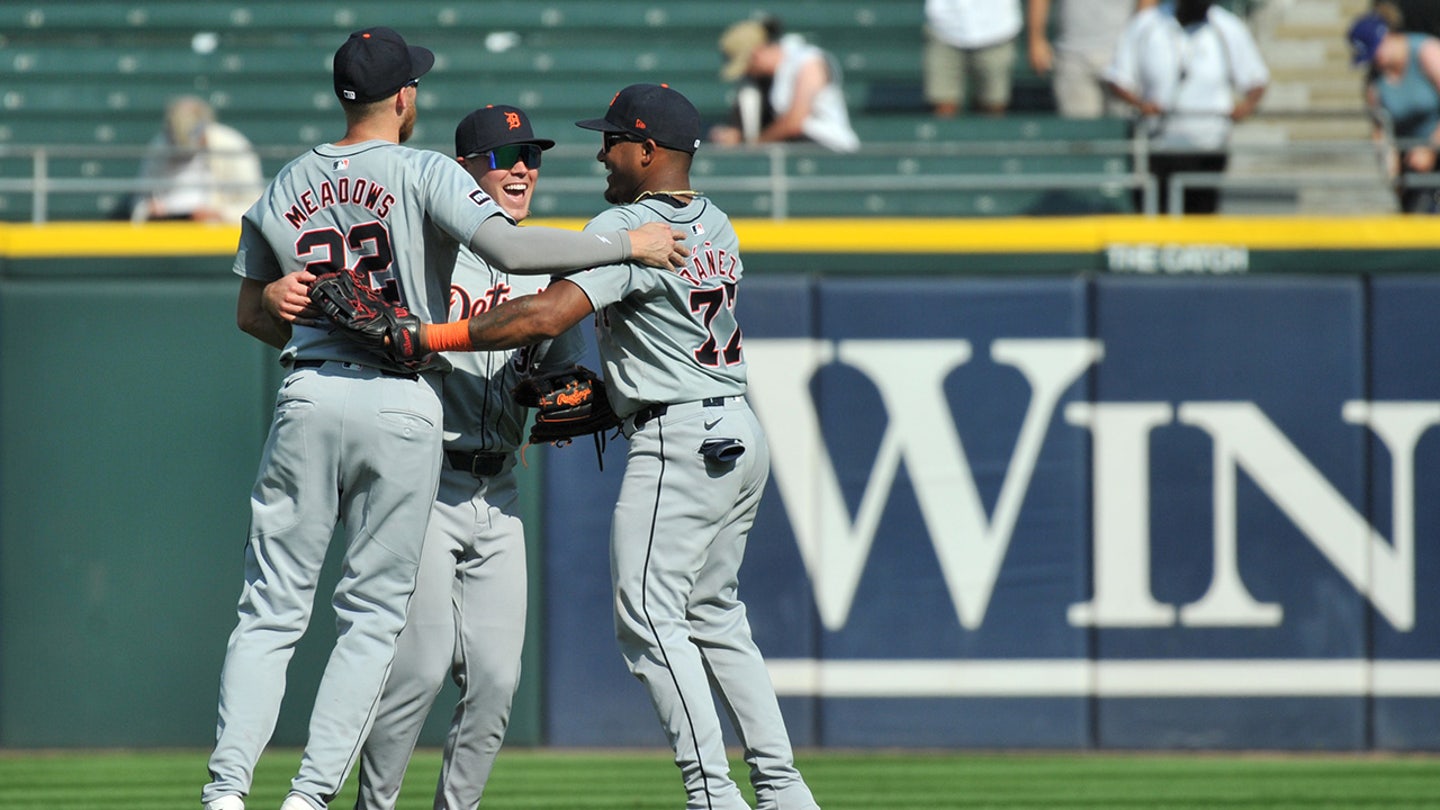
x,y
355,438
698,461
467,616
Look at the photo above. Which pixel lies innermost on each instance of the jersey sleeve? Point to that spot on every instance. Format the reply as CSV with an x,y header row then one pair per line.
x,y
253,258
607,284
453,200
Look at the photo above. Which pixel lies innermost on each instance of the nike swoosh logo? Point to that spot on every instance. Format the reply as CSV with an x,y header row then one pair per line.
x,y
709,425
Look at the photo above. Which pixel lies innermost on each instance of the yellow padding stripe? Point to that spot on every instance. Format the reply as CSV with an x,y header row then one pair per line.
x,y
62,239
1078,234
1021,235
1083,234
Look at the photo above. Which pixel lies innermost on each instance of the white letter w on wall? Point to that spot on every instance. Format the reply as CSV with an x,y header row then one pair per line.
x,y
920,432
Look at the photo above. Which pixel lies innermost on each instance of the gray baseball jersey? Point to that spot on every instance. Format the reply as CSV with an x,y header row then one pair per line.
x,y
694,476
467,617
479,411
351,440
339,207
669,336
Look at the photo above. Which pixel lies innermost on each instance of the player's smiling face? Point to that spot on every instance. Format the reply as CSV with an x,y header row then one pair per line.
x,y
511,188
621,157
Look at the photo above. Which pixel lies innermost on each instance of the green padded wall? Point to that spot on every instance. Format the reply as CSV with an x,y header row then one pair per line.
x,y
132,415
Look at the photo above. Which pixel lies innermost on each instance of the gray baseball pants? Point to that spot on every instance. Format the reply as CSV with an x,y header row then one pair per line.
x,y
346,443
467,619
677,541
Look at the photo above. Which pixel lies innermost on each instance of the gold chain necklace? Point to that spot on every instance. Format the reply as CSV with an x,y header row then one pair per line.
x,y
679,192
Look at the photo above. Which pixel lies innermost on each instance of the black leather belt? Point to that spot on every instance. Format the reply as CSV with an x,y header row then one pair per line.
x,y
383,371
478,464
659,409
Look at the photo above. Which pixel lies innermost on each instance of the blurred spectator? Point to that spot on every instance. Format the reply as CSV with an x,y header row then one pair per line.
x,y
970,43
208,171
1085,35
1181,65
1403,91
791,90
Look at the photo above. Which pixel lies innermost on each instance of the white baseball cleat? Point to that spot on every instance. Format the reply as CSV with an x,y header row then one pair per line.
x,y
226,803
296,802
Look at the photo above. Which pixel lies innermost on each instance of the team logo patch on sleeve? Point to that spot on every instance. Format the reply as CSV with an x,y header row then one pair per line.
x,y
479,197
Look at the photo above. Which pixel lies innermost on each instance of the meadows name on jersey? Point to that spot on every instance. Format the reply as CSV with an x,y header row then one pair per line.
x,y
356,191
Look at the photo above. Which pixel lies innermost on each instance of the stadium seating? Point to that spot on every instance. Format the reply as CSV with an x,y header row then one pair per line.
x,y
95,73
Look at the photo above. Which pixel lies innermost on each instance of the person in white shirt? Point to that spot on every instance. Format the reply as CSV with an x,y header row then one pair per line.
x,y
792,89
198,169
970,42
1182,65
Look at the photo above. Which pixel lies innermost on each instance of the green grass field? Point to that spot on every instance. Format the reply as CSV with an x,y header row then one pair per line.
x,y
646,780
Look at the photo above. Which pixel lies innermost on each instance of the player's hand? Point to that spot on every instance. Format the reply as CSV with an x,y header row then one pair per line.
x,y
658,245
288,298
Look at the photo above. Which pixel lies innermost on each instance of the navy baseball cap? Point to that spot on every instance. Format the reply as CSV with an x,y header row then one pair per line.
x,y
375,63
496,125
1365,37
651,111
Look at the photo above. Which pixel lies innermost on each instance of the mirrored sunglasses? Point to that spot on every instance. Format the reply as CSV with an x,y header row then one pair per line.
x,y
504,157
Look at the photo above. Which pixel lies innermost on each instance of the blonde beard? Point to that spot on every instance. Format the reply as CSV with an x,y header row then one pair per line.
x,y
407,125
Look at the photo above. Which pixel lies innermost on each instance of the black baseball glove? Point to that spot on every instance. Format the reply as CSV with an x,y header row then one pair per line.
x,y
364,316
568,403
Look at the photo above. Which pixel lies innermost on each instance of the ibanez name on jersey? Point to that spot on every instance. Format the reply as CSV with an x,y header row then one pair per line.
x,y
710,262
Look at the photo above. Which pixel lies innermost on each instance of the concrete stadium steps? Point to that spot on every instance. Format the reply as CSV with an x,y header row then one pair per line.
x,y
1312,120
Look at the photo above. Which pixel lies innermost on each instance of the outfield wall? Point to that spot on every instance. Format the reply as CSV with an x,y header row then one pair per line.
x,y
1100,483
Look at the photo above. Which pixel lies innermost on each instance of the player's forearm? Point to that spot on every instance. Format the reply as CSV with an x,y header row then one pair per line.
x,y
537,250
520,321
268,331
517,322
252,317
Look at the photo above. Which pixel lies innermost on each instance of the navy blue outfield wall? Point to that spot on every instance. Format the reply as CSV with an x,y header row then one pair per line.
x,y
1066,512
1151,484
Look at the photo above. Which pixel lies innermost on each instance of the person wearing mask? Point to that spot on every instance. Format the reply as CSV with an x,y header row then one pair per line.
x,y
1181,66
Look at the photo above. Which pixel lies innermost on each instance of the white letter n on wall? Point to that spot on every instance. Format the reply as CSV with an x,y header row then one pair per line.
x,y
1244,439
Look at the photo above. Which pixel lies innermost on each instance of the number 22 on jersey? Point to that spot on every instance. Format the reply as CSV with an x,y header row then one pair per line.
x,y
325,250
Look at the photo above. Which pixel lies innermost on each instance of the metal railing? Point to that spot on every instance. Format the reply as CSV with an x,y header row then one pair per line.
x,y
786,173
